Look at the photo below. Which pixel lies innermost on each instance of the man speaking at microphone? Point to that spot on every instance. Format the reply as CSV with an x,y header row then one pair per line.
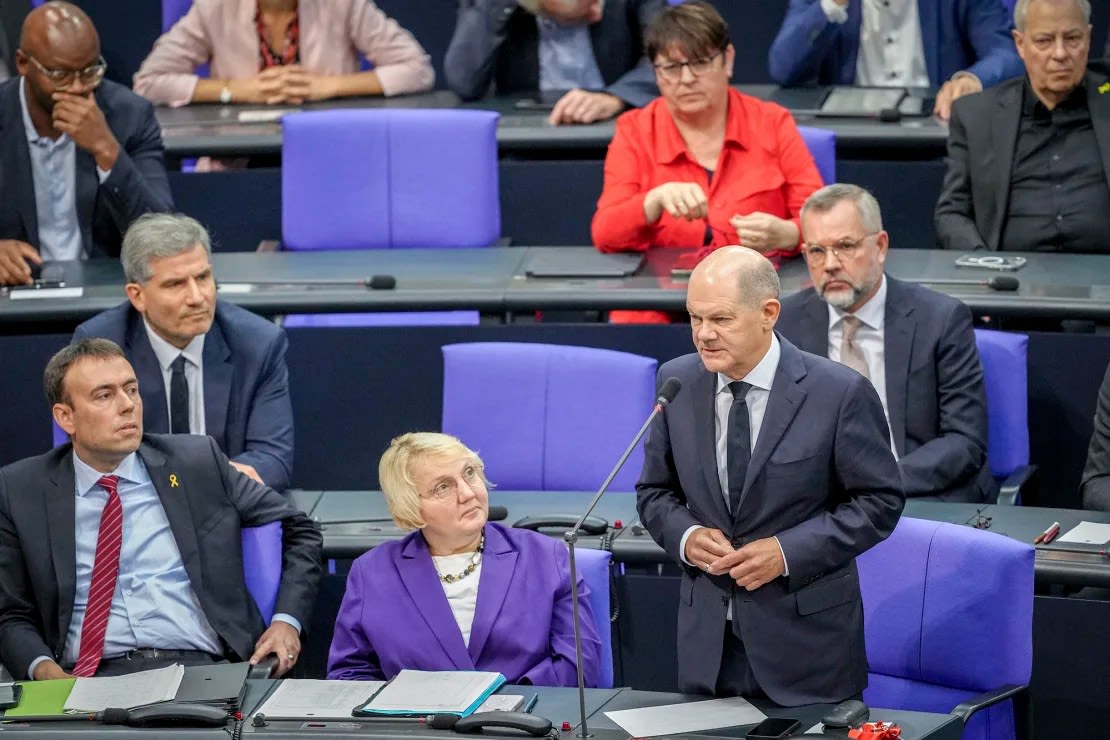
x,y
765,479
204,366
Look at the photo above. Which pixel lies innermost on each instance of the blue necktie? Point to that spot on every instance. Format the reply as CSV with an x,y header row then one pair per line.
x,y
738,443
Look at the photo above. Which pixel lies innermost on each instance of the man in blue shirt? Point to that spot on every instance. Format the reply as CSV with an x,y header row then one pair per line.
x,y
121,552
80,157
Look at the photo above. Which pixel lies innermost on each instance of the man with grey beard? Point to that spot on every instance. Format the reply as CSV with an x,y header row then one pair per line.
x,y
915,345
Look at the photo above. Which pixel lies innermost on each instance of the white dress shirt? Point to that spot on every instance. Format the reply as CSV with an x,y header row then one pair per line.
x,y
871,340
891,51
761,377
462,595
194,374
567,57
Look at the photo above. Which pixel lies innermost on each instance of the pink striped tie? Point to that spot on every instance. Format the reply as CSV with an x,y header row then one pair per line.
x,y
103,586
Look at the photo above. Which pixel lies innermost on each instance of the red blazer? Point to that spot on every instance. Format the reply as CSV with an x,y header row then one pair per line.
x,y
764,166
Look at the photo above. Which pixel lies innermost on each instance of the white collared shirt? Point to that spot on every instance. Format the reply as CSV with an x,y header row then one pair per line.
x,y
194,375
871,340
891,50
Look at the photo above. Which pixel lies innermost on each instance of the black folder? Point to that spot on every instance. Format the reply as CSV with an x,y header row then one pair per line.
x,y
220,685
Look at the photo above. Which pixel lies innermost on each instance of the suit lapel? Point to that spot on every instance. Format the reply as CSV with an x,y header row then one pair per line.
x,y
172,485
418,574
15,166
1004,133
217,384
1098,102
152,385
704,390
782,404
898,333
814,334
61,510
87,184
498,563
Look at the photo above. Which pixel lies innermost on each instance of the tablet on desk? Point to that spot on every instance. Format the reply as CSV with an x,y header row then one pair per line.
x,y
861,102
582,262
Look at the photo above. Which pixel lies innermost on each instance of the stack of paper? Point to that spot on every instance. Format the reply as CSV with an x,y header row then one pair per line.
x,y
125,692
219,685
299,699
417,693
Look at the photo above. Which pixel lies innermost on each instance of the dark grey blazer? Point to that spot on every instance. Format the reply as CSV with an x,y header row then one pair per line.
x,y
497,41
1095,485
137,184
206,510
982,135
934,386
822,479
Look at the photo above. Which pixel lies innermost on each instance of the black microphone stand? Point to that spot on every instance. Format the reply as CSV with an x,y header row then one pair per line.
x,y
572,535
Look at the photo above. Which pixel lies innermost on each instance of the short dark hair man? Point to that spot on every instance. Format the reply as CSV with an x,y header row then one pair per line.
x,y
80,156
122,542
916,346
205,366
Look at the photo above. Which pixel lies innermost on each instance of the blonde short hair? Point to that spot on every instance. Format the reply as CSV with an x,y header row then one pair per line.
x,y
395,471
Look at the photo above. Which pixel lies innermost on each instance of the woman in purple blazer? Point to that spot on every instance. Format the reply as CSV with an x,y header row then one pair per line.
x,y
460,593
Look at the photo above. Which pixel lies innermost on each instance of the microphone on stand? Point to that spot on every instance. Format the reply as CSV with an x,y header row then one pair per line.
x,y
667,394
1003,283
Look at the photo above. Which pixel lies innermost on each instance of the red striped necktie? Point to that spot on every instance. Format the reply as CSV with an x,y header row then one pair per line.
x,y
105,572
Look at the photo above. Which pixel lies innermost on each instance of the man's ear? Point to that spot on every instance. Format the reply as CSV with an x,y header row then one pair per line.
x,y
63,417
135,295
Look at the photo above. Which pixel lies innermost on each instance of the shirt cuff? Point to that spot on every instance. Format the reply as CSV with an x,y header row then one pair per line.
x,y
35,664
103,175
288,619
834,12
785,565
682,546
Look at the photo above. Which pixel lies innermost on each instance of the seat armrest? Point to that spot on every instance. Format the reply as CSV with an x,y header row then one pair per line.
x,y
1016,486
965,709
269,245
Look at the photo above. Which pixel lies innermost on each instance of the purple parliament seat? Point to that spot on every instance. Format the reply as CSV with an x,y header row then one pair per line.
x,y
948,613
593,566
1005,376
548,417
822,146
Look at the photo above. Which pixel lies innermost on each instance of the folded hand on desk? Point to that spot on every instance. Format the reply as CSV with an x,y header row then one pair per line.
x,y
14,255
581,106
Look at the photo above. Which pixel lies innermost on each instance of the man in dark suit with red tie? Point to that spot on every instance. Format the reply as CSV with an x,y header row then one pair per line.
x,y
121,552
764,480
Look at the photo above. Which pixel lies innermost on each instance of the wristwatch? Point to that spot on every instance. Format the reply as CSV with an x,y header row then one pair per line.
x,y
225,95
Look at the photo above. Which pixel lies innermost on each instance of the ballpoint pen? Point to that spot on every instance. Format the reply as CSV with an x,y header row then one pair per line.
x,y
1048,535
531,703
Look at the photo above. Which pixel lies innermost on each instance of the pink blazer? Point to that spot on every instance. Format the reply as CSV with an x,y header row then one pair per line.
x,y
333,32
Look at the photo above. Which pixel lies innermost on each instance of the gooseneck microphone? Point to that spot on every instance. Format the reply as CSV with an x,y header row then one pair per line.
x,y
667,394
1002,283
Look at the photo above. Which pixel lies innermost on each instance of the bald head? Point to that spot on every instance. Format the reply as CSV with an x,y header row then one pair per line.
x,y
733,304
61,36
750,273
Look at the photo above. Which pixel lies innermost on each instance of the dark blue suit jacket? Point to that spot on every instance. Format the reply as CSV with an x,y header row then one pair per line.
x,y
246,384
972,35
934,386
496,41
822,479
136,185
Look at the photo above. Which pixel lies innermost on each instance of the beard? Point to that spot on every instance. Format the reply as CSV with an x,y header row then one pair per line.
x,y
844,298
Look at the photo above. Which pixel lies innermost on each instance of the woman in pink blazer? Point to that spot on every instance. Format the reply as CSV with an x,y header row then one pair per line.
x,y
282,52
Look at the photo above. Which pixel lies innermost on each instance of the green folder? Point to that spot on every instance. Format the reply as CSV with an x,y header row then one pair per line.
x,y
42,698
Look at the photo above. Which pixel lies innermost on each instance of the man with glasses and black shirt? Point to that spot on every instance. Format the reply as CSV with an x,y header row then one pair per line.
x,y
80,157
916,346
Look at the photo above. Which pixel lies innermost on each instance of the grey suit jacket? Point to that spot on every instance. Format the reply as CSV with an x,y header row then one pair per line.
x,y
497,41
206,511
982,135
822,479
934,386
1095,485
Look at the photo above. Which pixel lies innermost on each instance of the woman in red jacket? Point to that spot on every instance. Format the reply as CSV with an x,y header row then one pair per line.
x,y
703,165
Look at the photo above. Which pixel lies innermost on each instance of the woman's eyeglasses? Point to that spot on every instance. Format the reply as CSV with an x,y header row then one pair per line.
x,y
672,71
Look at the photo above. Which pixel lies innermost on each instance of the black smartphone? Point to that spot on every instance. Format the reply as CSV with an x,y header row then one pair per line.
x,y
773,728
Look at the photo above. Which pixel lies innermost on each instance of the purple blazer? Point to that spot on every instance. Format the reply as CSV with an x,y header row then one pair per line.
x,y
395,615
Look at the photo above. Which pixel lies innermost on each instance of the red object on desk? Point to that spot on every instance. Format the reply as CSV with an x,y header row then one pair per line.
x,y
876,731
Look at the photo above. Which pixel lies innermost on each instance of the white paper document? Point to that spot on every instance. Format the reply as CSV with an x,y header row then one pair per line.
x,y
125,692
299,698
1088,533
690,717
265,115
430,692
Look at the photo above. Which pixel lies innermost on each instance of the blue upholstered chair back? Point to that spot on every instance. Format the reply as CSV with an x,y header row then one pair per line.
x,y
593,565
262,565
949,615
547,417
1005,375
390,178
822,146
